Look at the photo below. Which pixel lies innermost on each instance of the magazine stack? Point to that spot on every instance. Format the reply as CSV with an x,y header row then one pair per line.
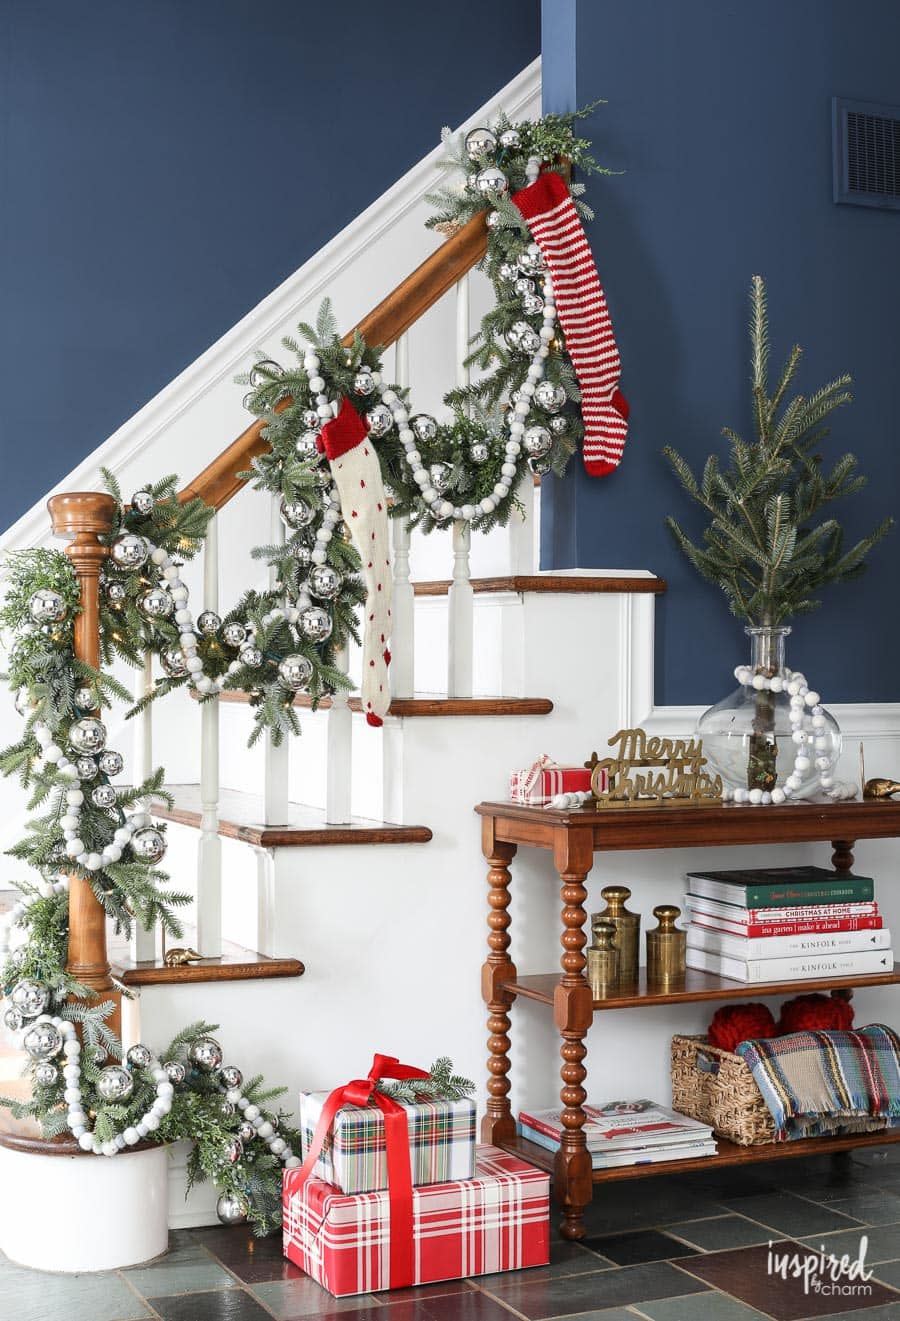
x,y
625,1133
785,924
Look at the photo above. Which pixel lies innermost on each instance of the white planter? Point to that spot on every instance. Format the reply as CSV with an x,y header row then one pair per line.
x,y
83,1213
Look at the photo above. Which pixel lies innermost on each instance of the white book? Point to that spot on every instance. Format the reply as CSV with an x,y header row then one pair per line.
x,y
794,968
782,947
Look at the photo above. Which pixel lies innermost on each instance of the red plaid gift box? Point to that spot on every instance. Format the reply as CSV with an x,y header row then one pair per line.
x,y
537,784
354,1154
498,1221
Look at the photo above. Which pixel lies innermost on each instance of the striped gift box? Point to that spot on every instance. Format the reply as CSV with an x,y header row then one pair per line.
x,y
497,1221
538,783
353,1159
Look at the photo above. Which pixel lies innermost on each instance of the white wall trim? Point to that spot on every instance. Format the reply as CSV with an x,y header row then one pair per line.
x,y
229,354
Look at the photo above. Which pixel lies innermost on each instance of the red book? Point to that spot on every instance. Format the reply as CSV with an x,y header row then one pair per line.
x,y
815,927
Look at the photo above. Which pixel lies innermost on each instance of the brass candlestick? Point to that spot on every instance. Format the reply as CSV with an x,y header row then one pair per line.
x,y
666,947
602,959
627,928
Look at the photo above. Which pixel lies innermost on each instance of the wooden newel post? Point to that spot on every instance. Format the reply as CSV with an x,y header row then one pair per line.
x,y
83,516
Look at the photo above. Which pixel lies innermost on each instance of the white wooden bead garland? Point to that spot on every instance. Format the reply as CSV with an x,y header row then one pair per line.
x,y
806,706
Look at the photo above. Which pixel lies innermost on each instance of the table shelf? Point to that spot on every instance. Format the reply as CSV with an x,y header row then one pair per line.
x,y
697,985
729,1153
573,838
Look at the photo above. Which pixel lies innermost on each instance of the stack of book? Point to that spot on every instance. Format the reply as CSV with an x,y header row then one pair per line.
x,y
625,1133
785,924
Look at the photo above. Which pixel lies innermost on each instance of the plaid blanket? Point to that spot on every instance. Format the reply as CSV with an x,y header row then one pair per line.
x,y
816,1083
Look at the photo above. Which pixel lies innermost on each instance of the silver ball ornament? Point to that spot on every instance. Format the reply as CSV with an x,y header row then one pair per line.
x,y
231,1076
148,844
380,420
480,143
311,420
302,554
85,698
42,1041
104,796
13,1020
508,271
315,624
234,633
540,466
261,373
296,514
324,582
206,1053
537,442
86,768
157,603
209,623
22,701
295,672
491,180
363,382
115,592
232,1210
245,1131
175,1071
559,425
531,261
306,446
112,762
29,997
234,1151
46,606
173,663
142,503
479,451
87,735
530,342
424,427
549,396
510,138
115,1083
46,1074
439,474
130,551
532,304
139,1056
252,657
524,286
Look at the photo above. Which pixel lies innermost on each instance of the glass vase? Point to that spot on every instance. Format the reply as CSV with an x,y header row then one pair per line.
x,y
748,739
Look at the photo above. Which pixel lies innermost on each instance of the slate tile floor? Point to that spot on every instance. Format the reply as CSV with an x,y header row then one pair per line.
x,y
688,1249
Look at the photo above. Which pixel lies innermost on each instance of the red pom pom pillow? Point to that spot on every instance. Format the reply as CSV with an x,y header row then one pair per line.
x,y
815,1013
736,1023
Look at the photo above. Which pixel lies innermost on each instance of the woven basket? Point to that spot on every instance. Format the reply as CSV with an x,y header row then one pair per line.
x,y
717,1087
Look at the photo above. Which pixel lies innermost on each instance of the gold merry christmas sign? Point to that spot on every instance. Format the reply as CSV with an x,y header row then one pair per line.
x,y
649,771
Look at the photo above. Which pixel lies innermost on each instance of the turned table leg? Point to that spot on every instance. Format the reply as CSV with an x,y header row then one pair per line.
x,y
498,1125
842,857
573,1008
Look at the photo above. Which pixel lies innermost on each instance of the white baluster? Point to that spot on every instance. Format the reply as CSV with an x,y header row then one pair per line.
x,y
209,860
143,942
277,761
522,529
461,603
403,604
338,780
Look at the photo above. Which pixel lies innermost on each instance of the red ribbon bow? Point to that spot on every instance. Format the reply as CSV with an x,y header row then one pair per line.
x,y
360,1092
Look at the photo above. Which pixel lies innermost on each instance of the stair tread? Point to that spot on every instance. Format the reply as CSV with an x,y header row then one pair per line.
x,y
236,964
432,704
548,582
241,816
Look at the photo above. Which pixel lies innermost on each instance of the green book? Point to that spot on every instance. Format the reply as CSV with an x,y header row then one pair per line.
x,y
781,887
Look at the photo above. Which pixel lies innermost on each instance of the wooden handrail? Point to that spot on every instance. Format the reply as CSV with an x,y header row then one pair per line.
x,y
218,482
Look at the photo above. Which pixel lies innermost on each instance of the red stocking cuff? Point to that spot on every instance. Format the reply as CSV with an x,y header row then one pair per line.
x,y
542,195
344,433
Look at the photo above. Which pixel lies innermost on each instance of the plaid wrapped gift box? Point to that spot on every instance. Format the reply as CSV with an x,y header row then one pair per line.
x,y
538,783
497,1221
354,1159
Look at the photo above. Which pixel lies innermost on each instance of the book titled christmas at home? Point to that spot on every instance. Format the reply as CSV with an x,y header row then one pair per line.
x,y
780,887
783,921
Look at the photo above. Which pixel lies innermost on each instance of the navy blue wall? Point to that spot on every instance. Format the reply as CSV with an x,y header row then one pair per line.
x,y
164,164
719,114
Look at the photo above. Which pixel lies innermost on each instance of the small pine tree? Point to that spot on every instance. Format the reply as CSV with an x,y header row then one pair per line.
x,y
766,545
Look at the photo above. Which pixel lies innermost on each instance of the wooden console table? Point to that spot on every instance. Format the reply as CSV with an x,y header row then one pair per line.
x,y
574,837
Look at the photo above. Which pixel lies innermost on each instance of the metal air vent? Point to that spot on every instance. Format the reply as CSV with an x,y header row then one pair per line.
x,y
866,153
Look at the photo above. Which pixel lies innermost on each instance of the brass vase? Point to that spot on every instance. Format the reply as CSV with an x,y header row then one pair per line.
x,y
627,927
602,959
666,948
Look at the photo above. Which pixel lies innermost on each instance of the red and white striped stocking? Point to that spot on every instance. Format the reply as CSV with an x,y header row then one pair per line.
x,y
357,475
584,317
